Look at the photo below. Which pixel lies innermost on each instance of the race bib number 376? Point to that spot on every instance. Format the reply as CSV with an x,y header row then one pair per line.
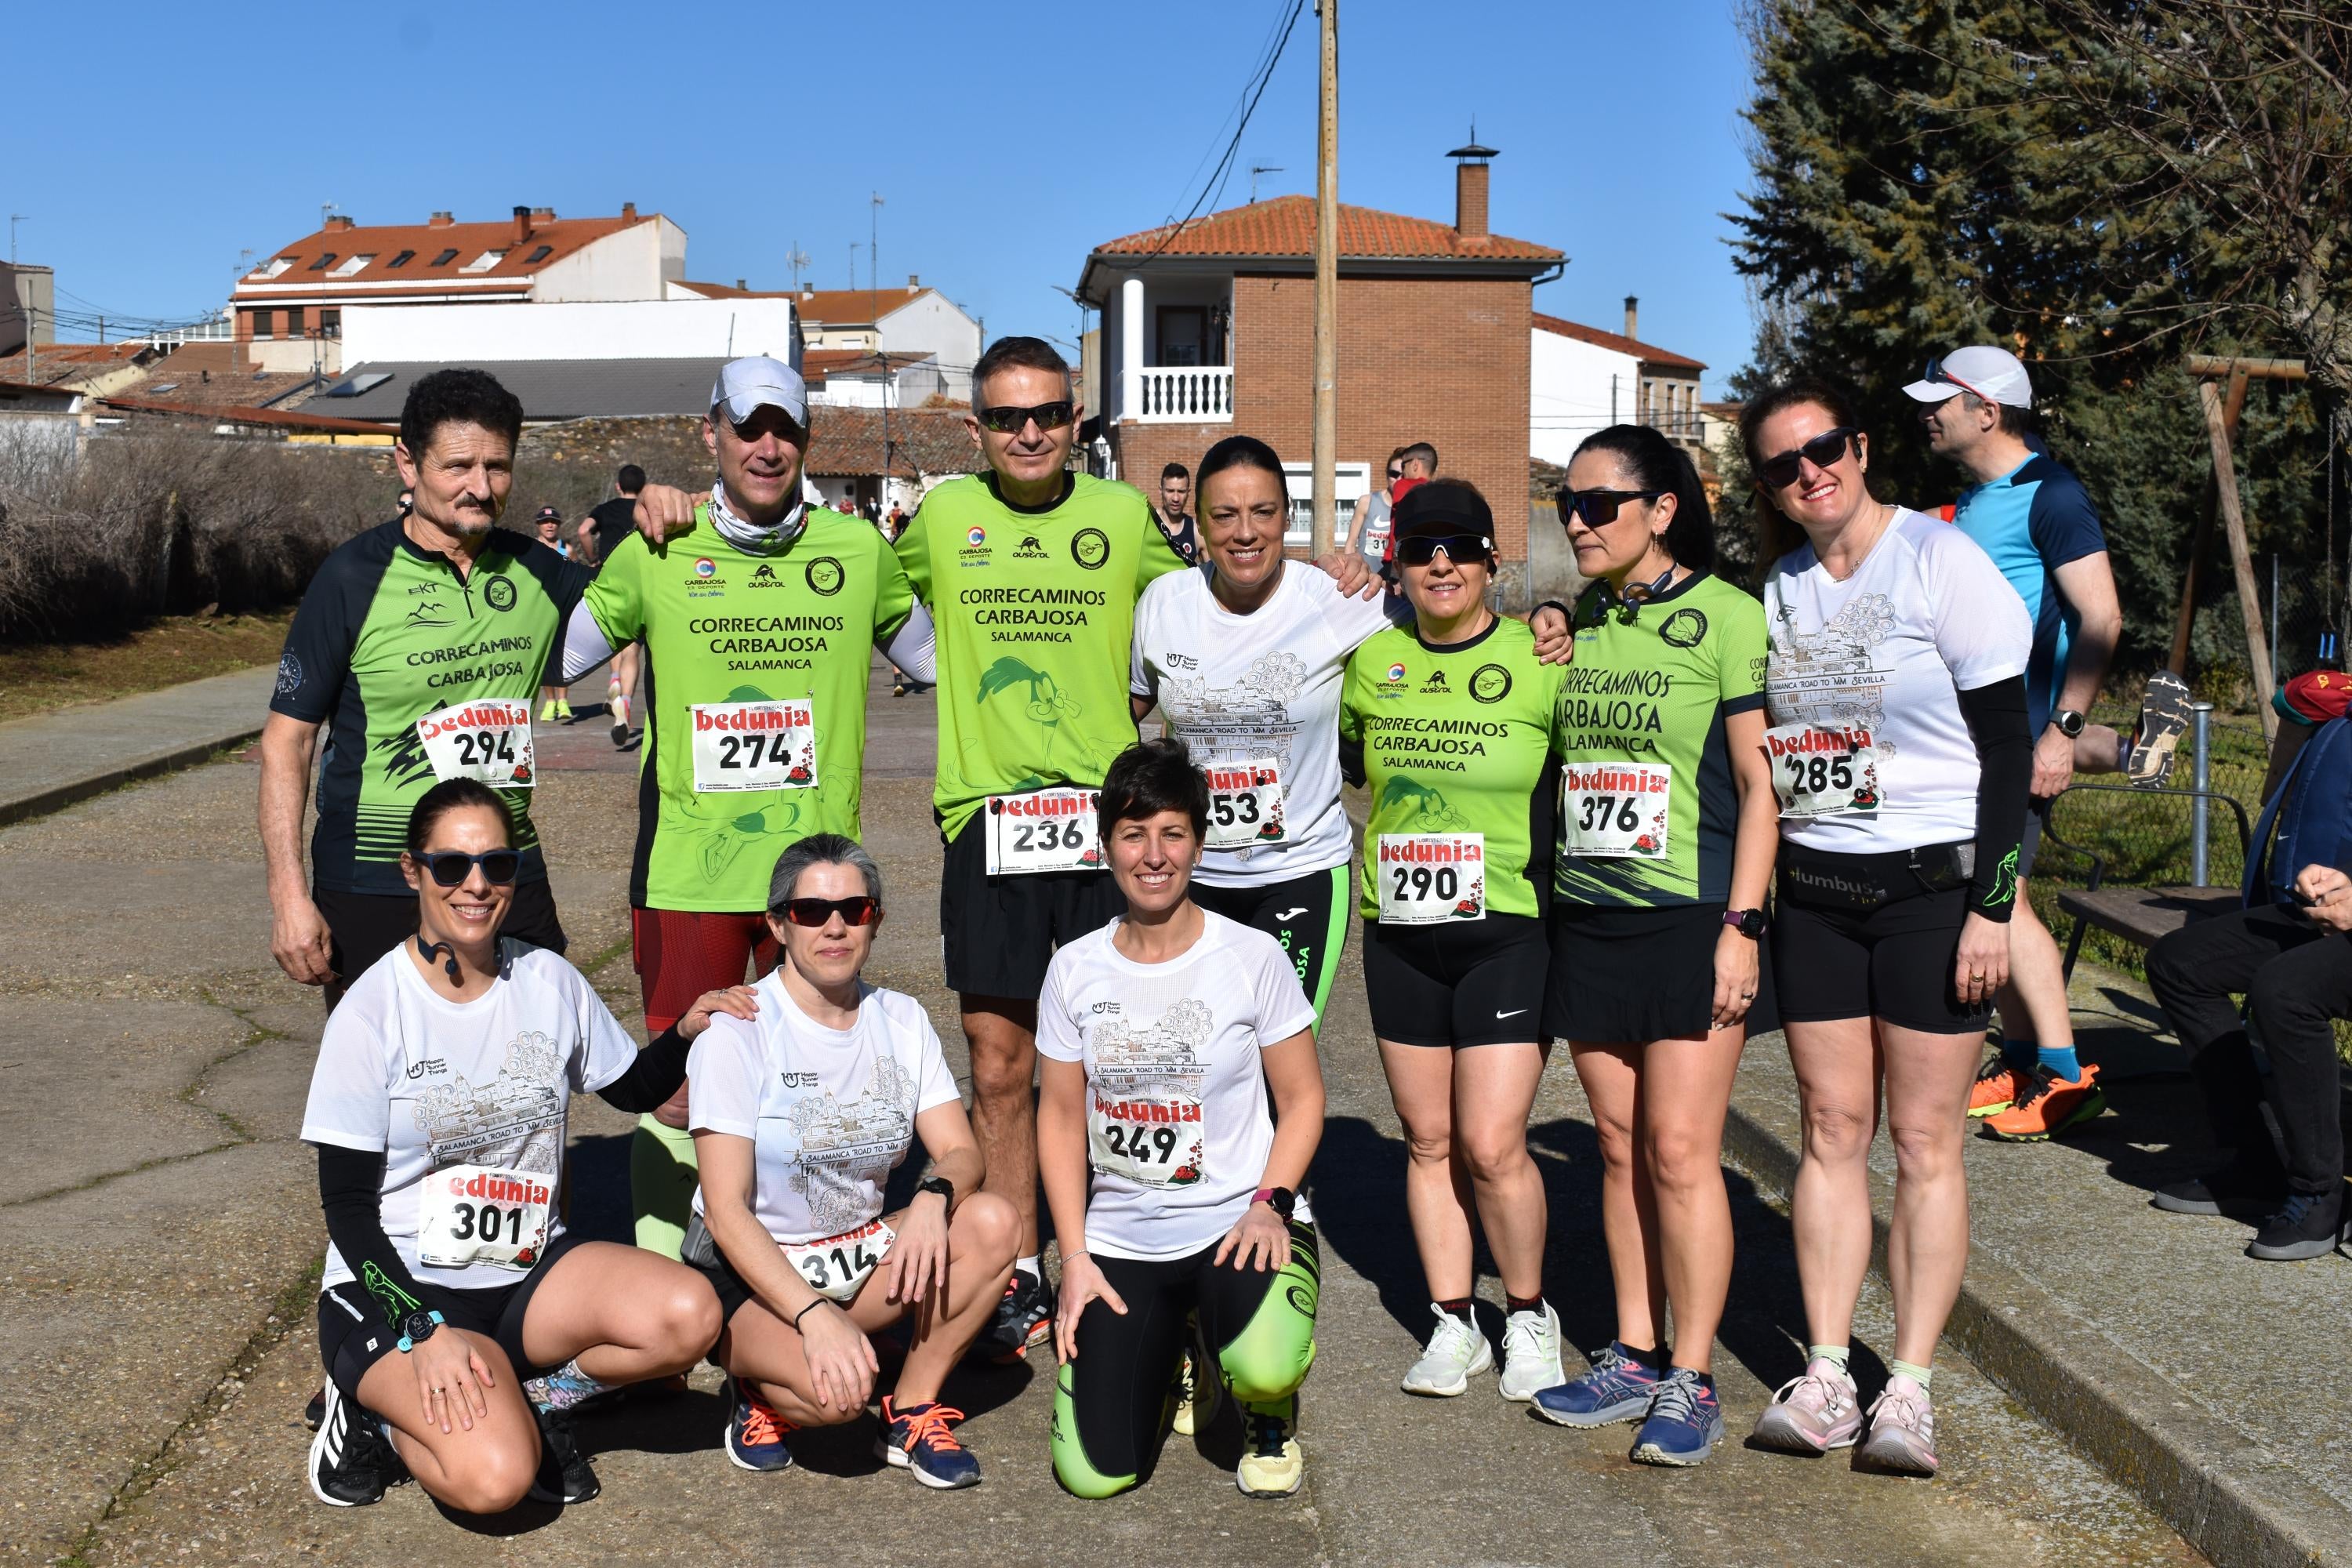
x,y
1046,830
1429,878
1615,810
1821,770
487,740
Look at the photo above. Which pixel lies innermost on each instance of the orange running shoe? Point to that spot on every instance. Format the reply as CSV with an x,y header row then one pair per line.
x,y
2050,1104
1997,1085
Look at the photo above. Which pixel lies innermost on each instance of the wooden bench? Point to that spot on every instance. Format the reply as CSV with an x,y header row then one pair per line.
x,y
2140,915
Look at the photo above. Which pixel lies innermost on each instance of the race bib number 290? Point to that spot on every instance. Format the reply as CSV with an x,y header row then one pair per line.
x,y
1427,878
1822,770
488,741
1046,830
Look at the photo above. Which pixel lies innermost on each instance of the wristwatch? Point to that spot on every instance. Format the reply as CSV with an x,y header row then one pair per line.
x,y
1281,1200
940,1184
1749,923
2069,722
416,1328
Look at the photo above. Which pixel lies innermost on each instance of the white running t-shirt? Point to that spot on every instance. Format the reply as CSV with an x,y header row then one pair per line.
x,y
1239,689
435,1084
1879,657
1177,1122
830,1113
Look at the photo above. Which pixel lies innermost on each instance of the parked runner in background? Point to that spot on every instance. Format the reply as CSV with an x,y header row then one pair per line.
x,y
614,521
1170,513
554,700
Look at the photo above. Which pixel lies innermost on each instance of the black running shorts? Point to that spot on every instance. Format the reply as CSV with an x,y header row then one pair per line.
x,y
353,1336
1000,933
1626,976
1465,982
1893,962
1308,915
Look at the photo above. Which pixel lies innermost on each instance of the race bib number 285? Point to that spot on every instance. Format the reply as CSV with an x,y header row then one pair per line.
x,y
1821,770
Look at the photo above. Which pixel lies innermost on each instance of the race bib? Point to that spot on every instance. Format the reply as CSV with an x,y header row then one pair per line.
x,y
488,741
1153,1140
1429,878
1821,770
754,745
1244,804
1046,830
479,1213
1615,810
836,1266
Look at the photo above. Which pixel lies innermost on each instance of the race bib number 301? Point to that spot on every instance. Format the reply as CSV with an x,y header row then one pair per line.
x,y
1615,810
1821,770
488,741
753,745
1244,804
1153,1140
1429,878
835,1266
1048,830
479,1213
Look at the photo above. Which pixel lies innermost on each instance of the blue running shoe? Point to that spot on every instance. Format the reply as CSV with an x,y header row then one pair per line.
x,y
917,1438
755,1433
1686,1422
1617,1388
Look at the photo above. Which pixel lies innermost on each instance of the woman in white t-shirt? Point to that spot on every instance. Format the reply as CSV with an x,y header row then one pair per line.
x,y
799,1118
1246,661
438,1107
1171,1179
1896,695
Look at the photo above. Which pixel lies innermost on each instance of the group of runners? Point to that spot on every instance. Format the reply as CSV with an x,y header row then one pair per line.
x,y
1573,824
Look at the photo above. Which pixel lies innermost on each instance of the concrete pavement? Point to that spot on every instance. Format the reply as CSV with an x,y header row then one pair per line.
x,y
157,1278
55,759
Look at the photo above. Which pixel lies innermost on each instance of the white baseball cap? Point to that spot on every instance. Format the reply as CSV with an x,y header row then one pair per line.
x,y
745,386
1994,374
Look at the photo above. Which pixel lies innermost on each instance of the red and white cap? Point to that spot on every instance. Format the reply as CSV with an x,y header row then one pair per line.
x,y
1994,374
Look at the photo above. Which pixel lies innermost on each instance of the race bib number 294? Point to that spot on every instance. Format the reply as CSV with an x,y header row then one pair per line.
x,y
488,741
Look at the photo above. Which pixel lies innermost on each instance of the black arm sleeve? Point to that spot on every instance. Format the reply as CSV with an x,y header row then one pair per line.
x,y
652,1078
1351,760
1996,718
351,1185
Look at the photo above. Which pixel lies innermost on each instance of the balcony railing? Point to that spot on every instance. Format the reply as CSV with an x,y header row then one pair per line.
x,y
1194,393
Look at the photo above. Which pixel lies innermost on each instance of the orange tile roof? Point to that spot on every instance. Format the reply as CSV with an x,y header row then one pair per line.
x,y
276,418
1284,226
384,241
1648,353
87,354
851,306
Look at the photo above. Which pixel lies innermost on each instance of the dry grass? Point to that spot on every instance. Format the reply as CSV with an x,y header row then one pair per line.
x,y
36,677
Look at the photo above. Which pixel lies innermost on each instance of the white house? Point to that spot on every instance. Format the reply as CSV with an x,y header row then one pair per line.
x,y
1583,379
715,330
904,324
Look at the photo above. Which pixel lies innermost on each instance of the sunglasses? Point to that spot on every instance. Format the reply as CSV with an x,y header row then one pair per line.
x,y
862,910
1936,372
1422,549
1009,420
1599,508
450,867
1396,473
1823,450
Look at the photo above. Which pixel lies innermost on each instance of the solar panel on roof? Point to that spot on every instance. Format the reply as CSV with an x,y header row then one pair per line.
x,y
365,383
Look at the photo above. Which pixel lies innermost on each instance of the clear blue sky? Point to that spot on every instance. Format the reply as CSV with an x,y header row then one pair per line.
x,y
186,134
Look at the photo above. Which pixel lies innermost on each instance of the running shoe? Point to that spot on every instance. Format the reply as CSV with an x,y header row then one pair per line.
x,y
564,1475
1022,1318
1272,1464
2050,1104
316,1411
2235,1188
1902,1430
755,1433
351,1461
1615,1388
1181,1418
563,714
1685,1425
547,711
619,707
2309,1224
917,1438
1456,1349
1530,1354
1997,1085
1812,1412
2164,715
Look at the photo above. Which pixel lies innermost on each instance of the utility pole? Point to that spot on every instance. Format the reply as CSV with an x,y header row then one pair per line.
x,y
854,249
874,312
1327,285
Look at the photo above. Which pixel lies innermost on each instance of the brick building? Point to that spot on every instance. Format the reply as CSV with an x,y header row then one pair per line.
x,y
1209,328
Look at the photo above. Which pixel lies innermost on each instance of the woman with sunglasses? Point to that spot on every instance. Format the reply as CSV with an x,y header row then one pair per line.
x,y
438,1108
1665,846
799,1118
1900,757
1455,723
1179,1105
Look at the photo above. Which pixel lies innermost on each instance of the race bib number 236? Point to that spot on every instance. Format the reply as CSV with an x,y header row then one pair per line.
x,y
1046,830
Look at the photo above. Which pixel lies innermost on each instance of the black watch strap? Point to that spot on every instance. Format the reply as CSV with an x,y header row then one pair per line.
x,y
939,1184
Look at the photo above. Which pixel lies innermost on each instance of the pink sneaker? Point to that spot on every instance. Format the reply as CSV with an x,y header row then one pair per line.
x,y
1902,1430
1812,1413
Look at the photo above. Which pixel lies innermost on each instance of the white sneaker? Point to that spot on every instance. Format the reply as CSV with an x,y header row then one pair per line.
x,y
1531,1354
1455,1351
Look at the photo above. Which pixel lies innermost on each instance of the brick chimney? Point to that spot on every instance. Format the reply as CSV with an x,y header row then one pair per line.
x,y
542,214
521,224
439,220
1470,174
628,212
1632,315
340,221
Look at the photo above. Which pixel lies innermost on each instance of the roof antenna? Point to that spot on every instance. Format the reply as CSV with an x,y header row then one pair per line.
x,y
1258,169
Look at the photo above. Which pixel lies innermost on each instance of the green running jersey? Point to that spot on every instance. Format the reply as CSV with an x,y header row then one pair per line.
x,y
722,627
387,633
1458,740
1641,729
1034,611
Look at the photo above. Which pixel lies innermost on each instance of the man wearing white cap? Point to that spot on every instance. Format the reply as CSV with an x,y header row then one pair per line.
x,y
758,617
2033,518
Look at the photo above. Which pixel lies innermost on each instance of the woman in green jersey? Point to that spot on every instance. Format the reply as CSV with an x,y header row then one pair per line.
x,y
1455,719
1667,830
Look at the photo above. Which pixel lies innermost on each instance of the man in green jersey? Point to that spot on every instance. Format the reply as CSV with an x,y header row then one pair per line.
x,y
1032,573
759,618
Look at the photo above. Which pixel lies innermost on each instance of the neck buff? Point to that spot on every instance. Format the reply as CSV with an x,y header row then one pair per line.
x,y
750,537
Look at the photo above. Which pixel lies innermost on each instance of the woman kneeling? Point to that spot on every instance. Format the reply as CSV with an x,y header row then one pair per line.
x,y
1160,1034
799,1118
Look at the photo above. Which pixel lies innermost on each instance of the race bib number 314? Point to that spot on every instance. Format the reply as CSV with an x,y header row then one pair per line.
x,y
487,740
1819,770
753,745
1429,878
1047,830
836,1266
